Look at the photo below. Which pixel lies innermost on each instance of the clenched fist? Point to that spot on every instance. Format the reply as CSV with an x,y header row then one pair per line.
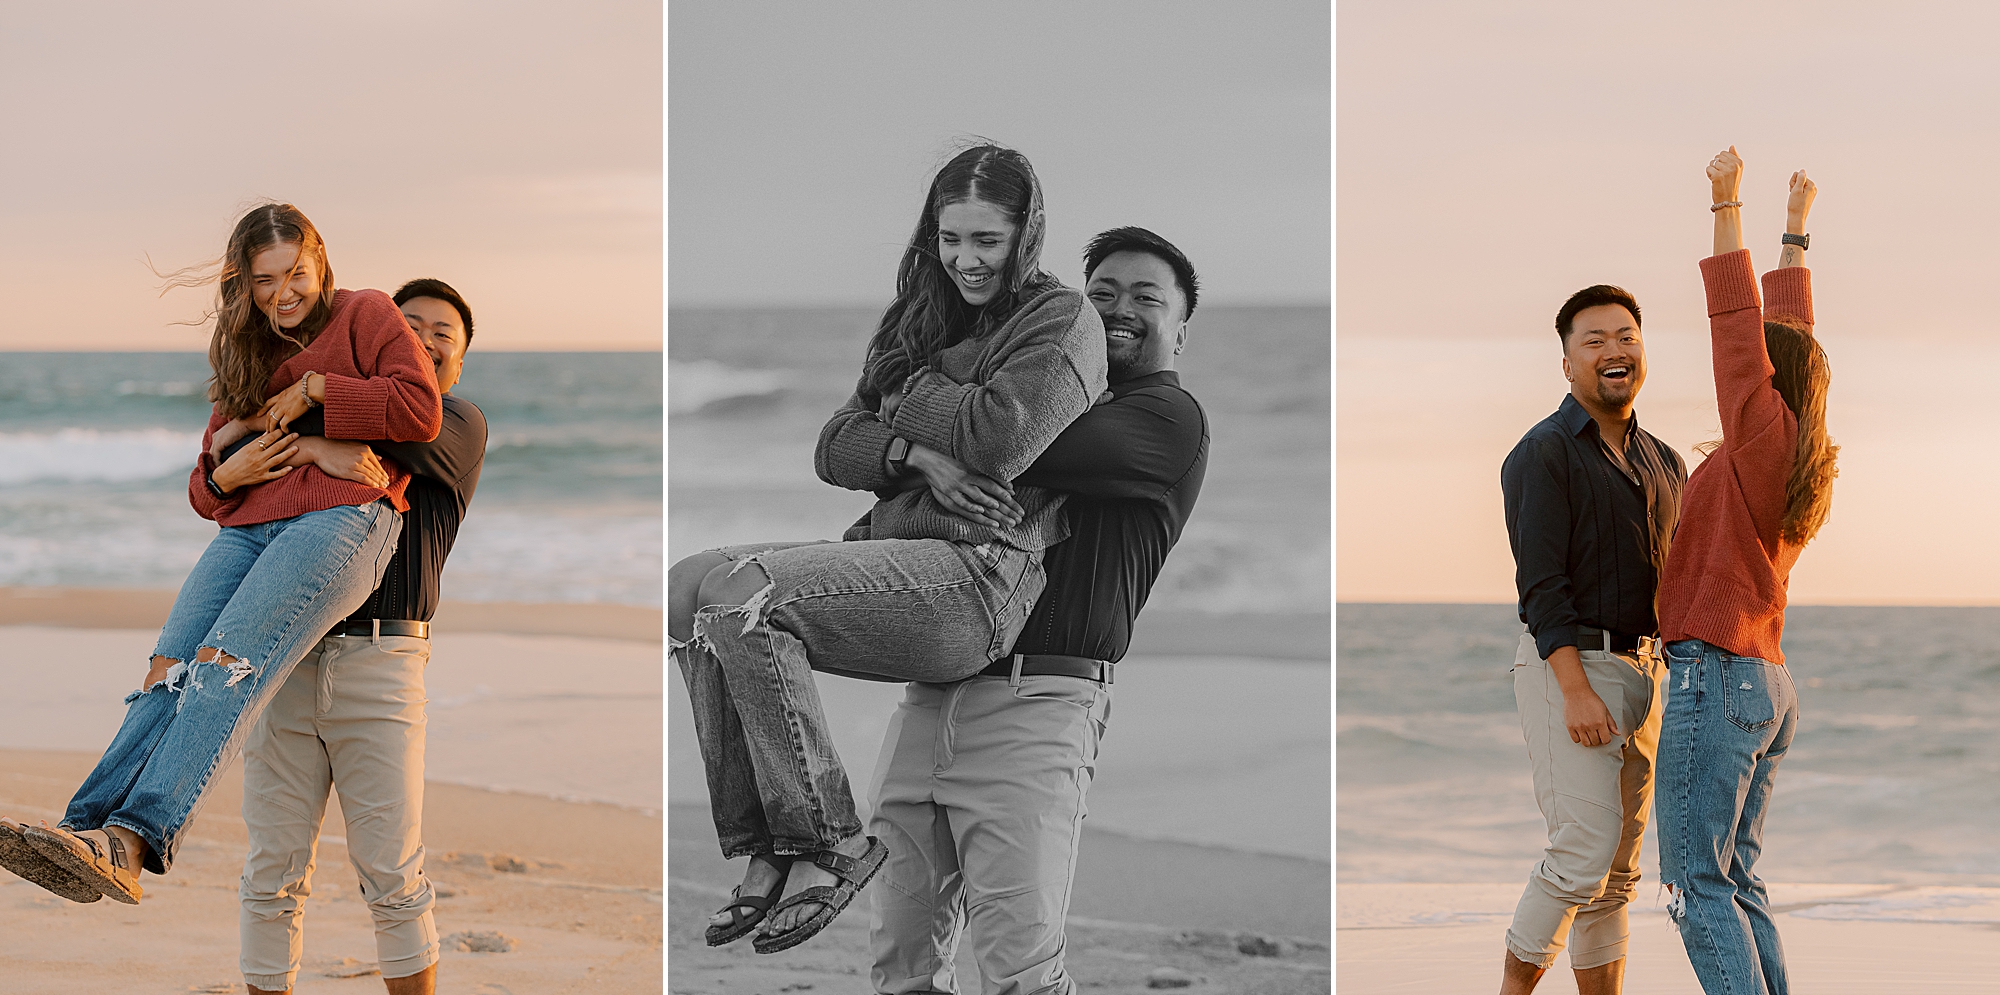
x,y
1725,175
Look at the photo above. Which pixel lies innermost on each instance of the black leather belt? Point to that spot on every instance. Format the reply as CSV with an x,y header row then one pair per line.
x,y
1018,665
383,627
1588,638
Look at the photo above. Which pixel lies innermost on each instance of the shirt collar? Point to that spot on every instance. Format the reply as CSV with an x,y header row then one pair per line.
x,y
1169,377
1574,417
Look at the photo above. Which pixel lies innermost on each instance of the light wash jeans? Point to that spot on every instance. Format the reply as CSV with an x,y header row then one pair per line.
x,y
263,594
902,609
1729,721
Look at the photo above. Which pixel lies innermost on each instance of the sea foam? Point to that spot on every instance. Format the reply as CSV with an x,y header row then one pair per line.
x,y
85,455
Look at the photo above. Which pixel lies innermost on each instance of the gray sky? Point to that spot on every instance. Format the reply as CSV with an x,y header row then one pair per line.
x,y
1496,158
802,137
511,149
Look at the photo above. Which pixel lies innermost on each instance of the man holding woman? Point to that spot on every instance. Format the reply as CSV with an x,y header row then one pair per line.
x,y
983,359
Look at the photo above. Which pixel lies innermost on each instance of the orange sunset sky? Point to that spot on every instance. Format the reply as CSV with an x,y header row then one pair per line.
x,y
513,150
1492,159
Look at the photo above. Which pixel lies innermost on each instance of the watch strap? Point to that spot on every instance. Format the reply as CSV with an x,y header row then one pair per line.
x,y
1802,241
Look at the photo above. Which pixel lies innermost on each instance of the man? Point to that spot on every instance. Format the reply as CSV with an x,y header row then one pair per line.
x,y
980,786
1592,500
352,714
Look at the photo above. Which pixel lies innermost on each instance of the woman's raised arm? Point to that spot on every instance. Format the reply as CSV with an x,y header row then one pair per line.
x,y
1725,182
1797,206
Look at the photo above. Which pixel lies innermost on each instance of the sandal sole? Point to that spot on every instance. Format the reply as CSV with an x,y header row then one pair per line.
x,y
57,848
30,865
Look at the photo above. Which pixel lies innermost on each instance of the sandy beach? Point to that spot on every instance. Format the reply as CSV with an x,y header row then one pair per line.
x,y
539,825
1205,851
1839,938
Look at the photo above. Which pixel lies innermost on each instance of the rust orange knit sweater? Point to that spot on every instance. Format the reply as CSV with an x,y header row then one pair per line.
x,y
1726,576
380,384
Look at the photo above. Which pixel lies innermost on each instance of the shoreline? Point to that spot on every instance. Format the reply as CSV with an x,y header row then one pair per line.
x,y
147,608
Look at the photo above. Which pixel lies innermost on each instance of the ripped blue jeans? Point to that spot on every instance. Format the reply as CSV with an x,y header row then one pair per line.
x,y
888,609
263,594
1728,723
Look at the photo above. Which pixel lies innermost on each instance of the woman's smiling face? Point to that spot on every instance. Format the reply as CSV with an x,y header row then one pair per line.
x,y
282,291
974,241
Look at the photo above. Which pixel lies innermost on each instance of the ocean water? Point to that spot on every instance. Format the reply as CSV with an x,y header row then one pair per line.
x,y
748,390
1893,778
95,449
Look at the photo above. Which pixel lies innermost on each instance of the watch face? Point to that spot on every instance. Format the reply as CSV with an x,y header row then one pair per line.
x,y
899,450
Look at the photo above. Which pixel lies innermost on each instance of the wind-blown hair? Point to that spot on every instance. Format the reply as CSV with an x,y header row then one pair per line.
x,y
1801,378
246,346
929,313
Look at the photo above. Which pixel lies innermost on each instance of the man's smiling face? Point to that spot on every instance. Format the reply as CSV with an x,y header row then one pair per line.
x,y
1604,357
1145,315
442,332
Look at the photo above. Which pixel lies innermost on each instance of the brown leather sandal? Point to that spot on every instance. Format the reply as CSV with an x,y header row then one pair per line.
x,y
111,874
29,863
854,874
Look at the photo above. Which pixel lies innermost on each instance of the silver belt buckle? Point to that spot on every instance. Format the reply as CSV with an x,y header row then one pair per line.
x,y
1107,665
1014,673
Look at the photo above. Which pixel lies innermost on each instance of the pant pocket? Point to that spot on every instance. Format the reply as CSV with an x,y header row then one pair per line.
x,y
1749,692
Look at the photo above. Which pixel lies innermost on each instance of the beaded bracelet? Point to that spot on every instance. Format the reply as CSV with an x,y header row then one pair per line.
x,y
1726,203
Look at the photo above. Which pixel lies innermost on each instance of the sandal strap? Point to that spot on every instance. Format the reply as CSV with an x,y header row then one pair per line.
x,y
838,863
755,903
117,851
823,894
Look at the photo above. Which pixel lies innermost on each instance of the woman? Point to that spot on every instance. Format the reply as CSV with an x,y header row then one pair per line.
x,y
1748,510
981,358
298,550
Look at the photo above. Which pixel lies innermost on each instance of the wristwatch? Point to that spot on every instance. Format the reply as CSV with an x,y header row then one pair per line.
x,y
1802,241
899,450
220,494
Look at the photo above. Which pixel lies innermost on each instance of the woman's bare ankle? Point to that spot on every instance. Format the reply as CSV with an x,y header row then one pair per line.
x,y
135,845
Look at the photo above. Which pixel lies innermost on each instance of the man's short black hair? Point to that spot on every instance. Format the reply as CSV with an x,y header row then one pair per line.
x,y
1590,297
442,291
1130,239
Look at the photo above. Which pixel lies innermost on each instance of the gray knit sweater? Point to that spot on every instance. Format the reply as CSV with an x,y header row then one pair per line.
x,y
993,404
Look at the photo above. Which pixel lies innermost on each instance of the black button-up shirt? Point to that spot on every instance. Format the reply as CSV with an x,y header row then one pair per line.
x,y
444,473
1133,467
1589,536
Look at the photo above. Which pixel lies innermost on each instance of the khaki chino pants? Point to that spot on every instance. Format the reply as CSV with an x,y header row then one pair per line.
x,y
979,794
350,718
1595,801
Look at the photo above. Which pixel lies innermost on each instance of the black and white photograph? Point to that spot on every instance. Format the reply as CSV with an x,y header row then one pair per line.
x,y
998,539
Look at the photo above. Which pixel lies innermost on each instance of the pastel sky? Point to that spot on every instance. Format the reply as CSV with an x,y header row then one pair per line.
x,y
511,149
802,137
1493,159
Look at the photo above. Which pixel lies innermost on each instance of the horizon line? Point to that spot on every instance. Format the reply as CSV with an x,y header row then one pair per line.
x,y
877,305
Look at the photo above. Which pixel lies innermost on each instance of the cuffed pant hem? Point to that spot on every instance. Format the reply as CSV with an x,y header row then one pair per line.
x,y
270,982
407,966
1537,958
1583,960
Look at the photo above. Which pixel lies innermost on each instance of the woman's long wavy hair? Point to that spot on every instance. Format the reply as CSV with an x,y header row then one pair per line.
x,y
1801,377
247,346
929,313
